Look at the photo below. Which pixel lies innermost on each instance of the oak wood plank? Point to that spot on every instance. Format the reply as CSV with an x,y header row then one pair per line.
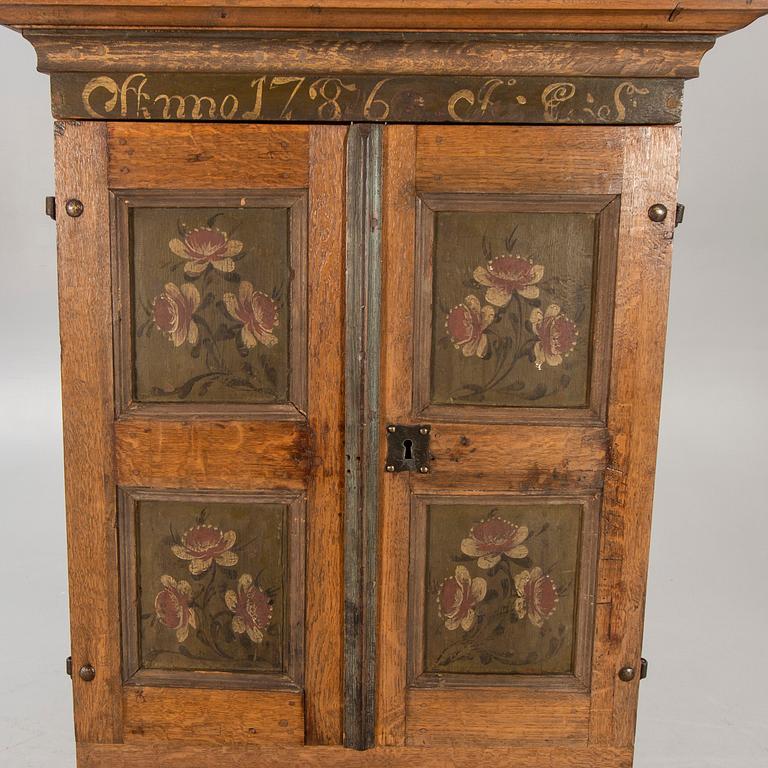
x,y
183,756
88,407
633,416
246,455
509,5
194,716
205,156
325,574
495,717
399,222
534,160
522,458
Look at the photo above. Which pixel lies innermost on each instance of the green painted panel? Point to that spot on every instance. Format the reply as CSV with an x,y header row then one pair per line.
x,y
512,308
211,290
211,585
501,588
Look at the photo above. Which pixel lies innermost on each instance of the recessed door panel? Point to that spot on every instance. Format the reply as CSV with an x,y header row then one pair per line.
x,y
213,583
501,590
214,291
513,305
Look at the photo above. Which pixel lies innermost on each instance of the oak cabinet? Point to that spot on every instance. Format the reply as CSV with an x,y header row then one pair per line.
x,y
362,337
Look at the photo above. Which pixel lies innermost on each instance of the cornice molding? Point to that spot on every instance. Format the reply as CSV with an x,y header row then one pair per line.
x,y
222,52
644,16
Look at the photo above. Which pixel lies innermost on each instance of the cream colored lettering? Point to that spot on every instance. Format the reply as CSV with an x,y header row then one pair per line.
x,y
463,95
141,97
196,112
96,84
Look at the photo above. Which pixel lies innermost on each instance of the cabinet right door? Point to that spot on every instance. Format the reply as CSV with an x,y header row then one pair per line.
x,y
524,312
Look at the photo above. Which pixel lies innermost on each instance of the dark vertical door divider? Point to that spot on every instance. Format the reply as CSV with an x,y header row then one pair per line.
x,y
362,358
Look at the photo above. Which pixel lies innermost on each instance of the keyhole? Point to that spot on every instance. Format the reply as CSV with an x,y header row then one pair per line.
x,y
407,450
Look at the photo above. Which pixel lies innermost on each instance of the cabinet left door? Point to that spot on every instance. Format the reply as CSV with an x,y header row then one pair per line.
x,y
202,390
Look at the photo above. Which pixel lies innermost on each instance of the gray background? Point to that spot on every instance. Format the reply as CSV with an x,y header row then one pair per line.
x,y
704,704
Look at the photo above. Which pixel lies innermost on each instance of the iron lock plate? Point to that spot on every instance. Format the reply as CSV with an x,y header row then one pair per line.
x,y
408,448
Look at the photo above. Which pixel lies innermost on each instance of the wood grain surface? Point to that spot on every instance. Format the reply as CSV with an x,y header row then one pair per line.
x,y
651,169
88,405
503,717
526,458
207,156
496,159
182,756
325,587
398,217
351,52
248,455
715,16
268,719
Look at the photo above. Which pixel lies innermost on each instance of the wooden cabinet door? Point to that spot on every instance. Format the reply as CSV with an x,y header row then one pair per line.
x,y
202,384
524,310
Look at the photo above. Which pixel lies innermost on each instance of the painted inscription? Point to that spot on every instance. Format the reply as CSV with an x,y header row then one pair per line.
x,y
329,98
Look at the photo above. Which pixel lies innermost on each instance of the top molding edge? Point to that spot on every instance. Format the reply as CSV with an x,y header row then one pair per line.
x,y
711,17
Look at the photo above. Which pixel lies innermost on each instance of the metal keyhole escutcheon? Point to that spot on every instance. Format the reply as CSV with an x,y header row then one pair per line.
x,y
408,448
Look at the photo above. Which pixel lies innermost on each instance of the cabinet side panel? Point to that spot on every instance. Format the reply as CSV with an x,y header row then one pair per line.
x,y
88,402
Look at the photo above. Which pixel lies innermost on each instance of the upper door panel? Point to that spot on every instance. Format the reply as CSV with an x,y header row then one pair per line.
x,y
519,286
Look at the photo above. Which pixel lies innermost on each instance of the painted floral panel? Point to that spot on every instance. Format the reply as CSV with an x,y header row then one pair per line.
x,y
211,292
212,585
512,308
501,586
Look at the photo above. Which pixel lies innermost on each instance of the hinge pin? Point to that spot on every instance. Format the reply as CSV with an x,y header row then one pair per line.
x,y
50,207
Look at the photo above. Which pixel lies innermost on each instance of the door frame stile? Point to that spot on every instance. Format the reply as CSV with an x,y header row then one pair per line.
x,y
361,430
85,303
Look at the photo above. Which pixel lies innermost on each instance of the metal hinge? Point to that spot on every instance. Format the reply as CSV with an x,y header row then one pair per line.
x,y
69,665
50,207
679,214
643,668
